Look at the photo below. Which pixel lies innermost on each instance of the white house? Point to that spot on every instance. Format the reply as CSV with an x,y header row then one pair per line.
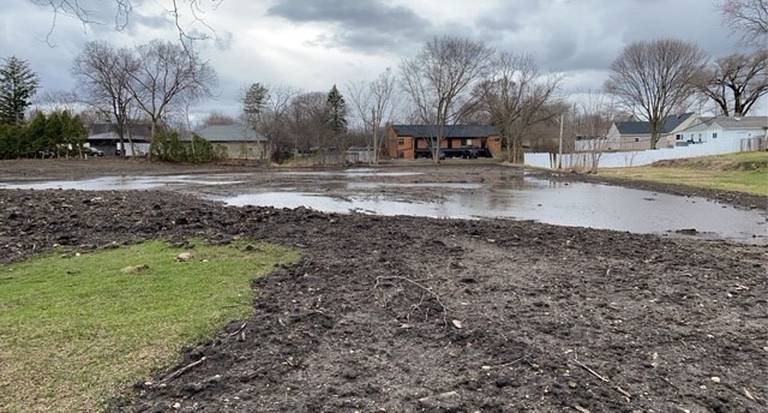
x,y
636,135
709,129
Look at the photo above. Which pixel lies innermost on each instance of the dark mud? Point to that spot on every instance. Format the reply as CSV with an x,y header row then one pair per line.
x,y
407,314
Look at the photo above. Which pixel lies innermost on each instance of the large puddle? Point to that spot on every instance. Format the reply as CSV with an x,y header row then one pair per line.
x,y
409,193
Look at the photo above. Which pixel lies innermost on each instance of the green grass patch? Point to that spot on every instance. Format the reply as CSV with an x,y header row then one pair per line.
x,y
75,331
743,172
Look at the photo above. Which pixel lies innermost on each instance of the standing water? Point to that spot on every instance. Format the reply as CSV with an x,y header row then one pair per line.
x,y
408,193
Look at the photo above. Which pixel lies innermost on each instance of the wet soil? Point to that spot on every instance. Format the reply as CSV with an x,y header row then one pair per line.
x,y
408,314
466,172
43,169
735,198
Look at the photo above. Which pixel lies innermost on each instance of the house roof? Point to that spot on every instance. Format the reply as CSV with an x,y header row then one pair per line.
x,y
751,122
230,133
670,123
450,131
107,131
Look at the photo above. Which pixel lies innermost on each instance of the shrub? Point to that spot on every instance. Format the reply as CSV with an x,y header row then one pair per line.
x,y
202,151
168,147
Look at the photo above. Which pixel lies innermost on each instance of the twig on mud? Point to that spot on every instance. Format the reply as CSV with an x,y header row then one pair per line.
x,y
238,330
670,383
603,379
513,362
419,285
182,370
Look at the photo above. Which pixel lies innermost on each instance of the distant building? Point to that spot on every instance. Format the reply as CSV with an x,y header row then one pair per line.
x,y
103,136
636,135
413,141
238,140
707,129
358,154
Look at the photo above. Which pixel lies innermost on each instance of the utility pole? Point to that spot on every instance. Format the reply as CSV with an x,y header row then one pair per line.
x,y
560,147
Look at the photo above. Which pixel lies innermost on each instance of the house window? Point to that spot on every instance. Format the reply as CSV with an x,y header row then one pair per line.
x,y
401,141
714,135
679,137
637,139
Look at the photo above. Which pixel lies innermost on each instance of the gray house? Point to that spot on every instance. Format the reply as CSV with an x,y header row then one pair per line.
x,y
636,135
239,141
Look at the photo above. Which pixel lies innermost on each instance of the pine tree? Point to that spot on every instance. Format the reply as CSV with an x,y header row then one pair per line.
x,y
338,111
35,136
18,84
54,133
253,105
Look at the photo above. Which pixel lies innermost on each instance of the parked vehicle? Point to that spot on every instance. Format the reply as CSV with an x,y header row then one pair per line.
x,y
93,152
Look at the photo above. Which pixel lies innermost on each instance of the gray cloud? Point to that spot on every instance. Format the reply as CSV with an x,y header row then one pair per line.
x,y
367,25
277,42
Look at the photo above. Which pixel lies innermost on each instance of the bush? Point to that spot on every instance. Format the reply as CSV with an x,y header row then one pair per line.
x,y
168,147
203,151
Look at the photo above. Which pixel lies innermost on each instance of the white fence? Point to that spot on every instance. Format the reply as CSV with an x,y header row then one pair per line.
x,y
584,160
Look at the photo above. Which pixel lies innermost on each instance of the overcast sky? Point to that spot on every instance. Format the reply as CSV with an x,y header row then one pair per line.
x,y
312,44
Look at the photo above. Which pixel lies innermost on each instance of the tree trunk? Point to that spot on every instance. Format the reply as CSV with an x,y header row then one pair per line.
x,y
508,141
153,130
375,146
655,135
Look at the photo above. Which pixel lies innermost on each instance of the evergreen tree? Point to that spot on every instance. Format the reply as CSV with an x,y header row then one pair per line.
x,y
338,111
35,135
253,105
73,133
18,84
54,133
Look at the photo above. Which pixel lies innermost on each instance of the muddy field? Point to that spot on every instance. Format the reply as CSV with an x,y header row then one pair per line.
x,y
455,171
36,169
413,314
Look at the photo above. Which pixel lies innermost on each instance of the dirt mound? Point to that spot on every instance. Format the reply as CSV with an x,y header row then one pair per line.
x,y
411,314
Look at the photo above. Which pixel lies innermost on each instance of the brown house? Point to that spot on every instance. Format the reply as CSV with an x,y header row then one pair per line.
x,y
459,141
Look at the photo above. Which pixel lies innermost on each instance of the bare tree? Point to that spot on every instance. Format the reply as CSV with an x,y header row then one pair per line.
x,y
218,118
515,95
186,16
592,118
105,74
308,121
735,83
168,74
748,19
374,103
274,120
654,78
439,79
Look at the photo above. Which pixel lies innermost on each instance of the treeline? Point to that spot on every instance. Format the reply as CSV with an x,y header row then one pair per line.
x,y
58,134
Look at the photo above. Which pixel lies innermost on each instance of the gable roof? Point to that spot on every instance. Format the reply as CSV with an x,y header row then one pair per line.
x,y
670,123
107,131
235,132
751,122
450,131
